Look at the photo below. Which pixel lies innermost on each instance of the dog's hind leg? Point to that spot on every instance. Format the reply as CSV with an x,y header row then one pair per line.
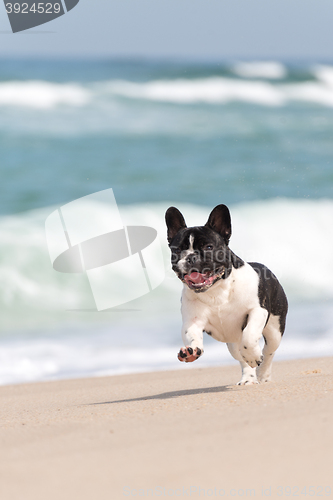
x,y
272,336
248,374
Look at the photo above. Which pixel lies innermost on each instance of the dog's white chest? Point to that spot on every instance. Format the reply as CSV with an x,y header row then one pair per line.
x,y
222,310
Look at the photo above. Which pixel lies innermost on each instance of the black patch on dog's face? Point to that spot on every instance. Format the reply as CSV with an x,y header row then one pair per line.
x,y
200,255
209,251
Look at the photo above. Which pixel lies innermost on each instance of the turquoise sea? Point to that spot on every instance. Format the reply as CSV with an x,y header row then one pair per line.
x,y
255,136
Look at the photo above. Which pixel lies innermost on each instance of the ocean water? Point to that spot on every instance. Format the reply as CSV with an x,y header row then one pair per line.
x,y
256,136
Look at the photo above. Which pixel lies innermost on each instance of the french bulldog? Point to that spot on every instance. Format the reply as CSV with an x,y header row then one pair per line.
x,y
233,301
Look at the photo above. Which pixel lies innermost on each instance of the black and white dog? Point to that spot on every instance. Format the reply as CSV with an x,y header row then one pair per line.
x,y
231,300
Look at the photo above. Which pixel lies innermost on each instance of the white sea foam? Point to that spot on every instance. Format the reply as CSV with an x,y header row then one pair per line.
x,y
57,357
218,90
260,69
207,90
41,94
106,99
324,74
48,317
115,351
290,236
311,92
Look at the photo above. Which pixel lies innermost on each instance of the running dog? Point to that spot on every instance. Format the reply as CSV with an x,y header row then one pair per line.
x,y
231,300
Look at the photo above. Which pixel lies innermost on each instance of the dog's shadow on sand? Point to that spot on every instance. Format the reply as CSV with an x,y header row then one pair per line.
x,y
169,395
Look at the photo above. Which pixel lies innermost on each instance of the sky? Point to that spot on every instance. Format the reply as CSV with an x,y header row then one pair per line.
x,y
180,29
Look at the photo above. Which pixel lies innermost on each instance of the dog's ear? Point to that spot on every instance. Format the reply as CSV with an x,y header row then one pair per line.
x,y
174,221
220,221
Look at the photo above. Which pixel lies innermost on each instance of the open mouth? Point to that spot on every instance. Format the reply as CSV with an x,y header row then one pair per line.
x,y
198,281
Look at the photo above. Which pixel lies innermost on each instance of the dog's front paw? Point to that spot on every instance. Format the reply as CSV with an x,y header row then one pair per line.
x,y
252,356
189,354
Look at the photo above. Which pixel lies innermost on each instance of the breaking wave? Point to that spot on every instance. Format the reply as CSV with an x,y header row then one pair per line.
x,y
48,317
42,95
290,236
255,87
271,70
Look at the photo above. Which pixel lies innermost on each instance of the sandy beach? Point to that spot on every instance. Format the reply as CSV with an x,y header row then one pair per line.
x,y
170,434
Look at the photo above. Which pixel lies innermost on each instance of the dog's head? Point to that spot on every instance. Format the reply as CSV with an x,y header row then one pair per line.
x,y
200,256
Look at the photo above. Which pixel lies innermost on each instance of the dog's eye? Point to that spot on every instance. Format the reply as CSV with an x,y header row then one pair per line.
x,y
209,247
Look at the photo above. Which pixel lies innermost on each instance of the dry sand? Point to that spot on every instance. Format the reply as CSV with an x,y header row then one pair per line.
x,y
180,434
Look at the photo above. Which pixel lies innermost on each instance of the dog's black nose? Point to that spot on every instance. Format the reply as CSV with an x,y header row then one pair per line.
x,y
192,259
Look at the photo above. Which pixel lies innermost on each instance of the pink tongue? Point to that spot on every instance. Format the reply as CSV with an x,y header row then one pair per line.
x,y
197,278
